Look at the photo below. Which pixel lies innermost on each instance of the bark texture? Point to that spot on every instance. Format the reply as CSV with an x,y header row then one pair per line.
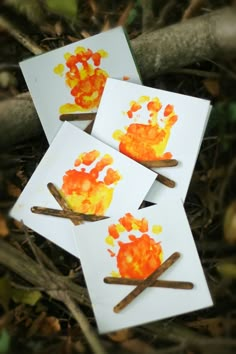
x,y
201,38
204,37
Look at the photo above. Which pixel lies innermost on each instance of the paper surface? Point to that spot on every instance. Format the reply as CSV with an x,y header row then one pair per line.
x,y
92,177
71,79
131,245
149,124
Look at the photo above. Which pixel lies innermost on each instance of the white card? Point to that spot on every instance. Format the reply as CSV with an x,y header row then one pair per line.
x,y
71,79
132,245
149,124
92,177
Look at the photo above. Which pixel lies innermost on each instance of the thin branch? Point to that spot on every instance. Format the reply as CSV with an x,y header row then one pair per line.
x,y
78,315
20,36
28,269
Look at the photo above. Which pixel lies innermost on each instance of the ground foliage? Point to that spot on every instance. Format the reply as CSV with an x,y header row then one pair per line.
x,y
33,322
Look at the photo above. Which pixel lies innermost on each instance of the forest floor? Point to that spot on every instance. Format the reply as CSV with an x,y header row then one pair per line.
x,y
31,320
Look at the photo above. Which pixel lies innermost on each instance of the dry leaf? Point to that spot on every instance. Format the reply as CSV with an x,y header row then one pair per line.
x,y
214,326
122,335
4,231
50,325
13,190
212,86
230,223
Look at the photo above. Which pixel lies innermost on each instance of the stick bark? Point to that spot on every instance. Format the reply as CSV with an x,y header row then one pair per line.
x,y
201,38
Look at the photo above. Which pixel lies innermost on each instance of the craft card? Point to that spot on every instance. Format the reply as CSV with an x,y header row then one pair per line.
x,y
91,177
131,246
150,124
71,79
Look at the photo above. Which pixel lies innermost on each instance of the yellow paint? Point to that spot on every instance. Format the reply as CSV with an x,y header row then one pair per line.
x,y
59,69
156,229
110,240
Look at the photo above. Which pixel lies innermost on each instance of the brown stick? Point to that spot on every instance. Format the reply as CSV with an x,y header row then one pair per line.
x,y
66,214
165,180
159,163
55,193
146,283
172,284
77,117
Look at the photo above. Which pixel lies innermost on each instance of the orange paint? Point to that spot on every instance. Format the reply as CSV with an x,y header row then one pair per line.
x,y
83,190
147,141
84,77
140,256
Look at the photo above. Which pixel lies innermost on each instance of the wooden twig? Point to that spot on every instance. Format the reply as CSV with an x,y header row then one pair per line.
x,y
146,282
208,36
166,181
193,8
159,163
82,320
77,117
58,287
125,14
172,284
34,273
56,194
20,36
67,214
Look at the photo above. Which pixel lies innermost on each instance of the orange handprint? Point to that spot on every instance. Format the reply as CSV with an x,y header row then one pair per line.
x,y
83,191
146,142
85,79
140,256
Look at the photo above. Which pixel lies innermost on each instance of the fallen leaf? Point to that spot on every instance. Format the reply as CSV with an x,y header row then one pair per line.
x,y
13,190
50,325
212,86
25,296
122,335
215,326
4,231
230,223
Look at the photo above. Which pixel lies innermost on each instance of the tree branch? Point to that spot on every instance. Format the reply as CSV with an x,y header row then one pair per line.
x,y
39,276
204,37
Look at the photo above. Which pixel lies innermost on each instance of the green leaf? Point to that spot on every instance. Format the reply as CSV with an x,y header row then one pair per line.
x,y
4,341
5,292
66,8
28,297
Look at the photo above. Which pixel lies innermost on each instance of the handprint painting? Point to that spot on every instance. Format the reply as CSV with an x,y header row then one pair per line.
x,y
141,253
128,247
83,191
70,80
84,78
91,177
147,142
149,124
